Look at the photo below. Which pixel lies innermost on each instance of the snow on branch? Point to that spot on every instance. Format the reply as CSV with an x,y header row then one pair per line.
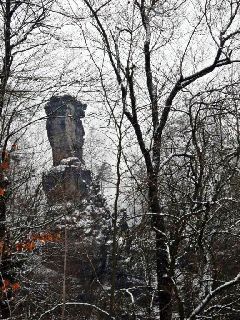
x,y
76,304
211,295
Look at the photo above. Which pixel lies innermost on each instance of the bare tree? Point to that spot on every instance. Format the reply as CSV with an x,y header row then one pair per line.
x,y
137,45
20,23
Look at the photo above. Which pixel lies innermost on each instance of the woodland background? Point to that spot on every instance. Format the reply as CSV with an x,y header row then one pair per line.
x,y
157,237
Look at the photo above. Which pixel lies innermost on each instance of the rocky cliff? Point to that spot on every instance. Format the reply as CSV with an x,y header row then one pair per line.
x,y
67,180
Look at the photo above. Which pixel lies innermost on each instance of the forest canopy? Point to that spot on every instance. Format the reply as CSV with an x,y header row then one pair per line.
x,y
119,167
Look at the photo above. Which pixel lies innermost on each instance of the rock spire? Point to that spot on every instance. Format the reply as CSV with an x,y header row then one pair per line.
x,y
67,180
64,127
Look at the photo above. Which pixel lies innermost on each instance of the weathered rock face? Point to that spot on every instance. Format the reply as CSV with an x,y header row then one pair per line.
x,y
66,180
64,127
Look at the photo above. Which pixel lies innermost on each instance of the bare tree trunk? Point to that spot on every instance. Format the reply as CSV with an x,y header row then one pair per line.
x,y
64,272
115,243
7,59
4,304
4,76
164,282
115,215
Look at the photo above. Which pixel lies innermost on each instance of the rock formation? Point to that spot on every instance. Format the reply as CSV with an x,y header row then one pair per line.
x,y
67,180
64,127
87,219
75,199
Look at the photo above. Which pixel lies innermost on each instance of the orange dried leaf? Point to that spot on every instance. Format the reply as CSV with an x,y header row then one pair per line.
x,y
48,237
2,191
5,165
40,237
24,246
57,236
15,286
14,147
30,246
5,155
19,246
35,237
1,246
6,284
